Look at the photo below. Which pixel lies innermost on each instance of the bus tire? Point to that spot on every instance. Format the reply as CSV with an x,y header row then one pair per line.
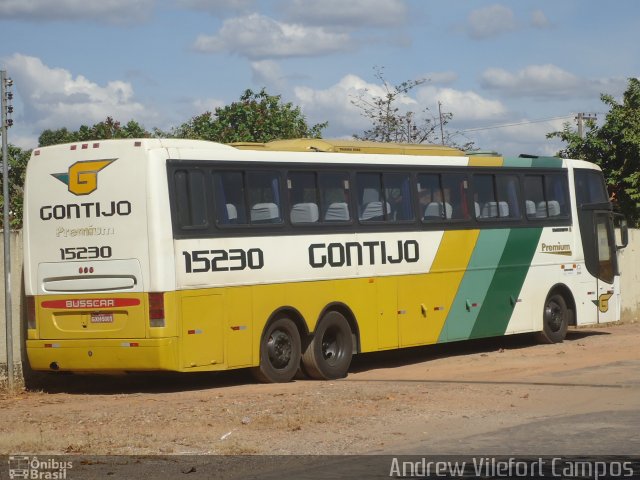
x,y
280,351
555,319
328,354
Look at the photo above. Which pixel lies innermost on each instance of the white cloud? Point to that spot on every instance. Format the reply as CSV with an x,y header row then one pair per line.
x,y
202,105
351,13
533,80
539,20
441,78
464,105
54,98
335,104
258,37
490,21
20,138
548,81
218,7
522,137
268,73
111,11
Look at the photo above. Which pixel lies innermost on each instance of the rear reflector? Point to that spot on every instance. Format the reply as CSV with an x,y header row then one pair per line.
x,y
156,309
31,312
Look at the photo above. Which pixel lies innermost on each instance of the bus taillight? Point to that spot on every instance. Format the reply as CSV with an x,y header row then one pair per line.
x,y
31,313
156,309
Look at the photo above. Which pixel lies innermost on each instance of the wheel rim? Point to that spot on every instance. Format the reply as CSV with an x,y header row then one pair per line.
x,y
279,348
332,346
554,315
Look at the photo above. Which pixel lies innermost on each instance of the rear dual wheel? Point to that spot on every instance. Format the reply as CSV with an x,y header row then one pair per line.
x,y
328,354
280,351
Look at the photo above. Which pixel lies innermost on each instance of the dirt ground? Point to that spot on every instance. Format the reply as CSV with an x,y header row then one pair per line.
x,y
388,401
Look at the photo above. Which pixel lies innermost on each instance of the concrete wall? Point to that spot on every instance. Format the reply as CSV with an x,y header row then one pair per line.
x,y
629,261
17,313
630,278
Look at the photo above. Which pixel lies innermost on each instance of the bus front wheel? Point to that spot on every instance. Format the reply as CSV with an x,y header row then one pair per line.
x,y
555,319
280,351
328,354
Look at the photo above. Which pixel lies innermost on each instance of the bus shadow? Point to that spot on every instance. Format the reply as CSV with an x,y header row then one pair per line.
x,y
137,382
412,355
169,382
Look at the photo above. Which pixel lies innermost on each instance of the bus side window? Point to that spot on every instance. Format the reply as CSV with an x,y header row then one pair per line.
x,y
372,206
546,196
484,196
508,190
334,197
430,198
263,189
496,196
535,204
229,198
454,186
191,199
303,197
397,192
557,195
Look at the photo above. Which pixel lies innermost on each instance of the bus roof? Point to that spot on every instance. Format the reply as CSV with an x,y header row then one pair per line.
x,y
350,146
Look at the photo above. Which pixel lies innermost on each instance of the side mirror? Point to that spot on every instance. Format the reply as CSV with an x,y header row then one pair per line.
x,y
621,223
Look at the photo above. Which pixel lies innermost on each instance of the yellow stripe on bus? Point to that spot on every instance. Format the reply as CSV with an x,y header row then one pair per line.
x,y
486,161
445,276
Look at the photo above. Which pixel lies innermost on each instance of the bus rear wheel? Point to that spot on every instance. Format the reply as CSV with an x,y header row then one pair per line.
x,y
328,354
280,351
555,319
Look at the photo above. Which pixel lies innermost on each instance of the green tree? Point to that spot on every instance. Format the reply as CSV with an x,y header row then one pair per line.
x,y
391,121
256,117
615,146
18,159
104,130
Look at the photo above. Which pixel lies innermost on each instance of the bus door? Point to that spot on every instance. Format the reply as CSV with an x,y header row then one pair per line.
x,y
607,279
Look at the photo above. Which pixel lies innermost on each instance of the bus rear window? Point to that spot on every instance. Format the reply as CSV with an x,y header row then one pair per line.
x,y
191,199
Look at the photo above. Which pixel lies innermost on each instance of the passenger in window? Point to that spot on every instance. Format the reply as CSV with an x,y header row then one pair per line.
x,y
425,198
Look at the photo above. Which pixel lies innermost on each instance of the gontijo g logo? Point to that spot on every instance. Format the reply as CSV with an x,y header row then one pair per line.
x,y
82,177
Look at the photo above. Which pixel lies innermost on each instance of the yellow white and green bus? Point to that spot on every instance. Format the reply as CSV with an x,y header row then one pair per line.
x,y
182,255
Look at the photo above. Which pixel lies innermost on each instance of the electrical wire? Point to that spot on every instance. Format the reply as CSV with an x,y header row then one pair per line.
x,y
506,125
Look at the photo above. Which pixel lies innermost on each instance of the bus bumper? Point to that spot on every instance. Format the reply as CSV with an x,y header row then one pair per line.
x,y
103,355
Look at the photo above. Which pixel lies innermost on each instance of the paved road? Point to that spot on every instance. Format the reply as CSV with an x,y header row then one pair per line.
x,y
593,410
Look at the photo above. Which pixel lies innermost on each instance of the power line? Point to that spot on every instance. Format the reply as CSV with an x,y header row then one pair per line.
x,y
506,125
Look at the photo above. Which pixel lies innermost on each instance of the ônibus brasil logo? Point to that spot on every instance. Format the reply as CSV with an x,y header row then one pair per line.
x,y
82,177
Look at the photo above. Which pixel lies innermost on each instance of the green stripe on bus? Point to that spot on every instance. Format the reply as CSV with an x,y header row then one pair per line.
x,y
507,282
517,162
474,285
528,162
547,162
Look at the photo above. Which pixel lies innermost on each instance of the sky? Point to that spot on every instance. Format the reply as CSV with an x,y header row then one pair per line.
x,y
508,71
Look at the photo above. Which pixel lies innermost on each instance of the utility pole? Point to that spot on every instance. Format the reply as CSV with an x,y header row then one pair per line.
x,y
581,118
7,96
441,127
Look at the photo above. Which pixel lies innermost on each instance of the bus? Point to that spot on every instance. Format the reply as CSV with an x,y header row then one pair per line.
x,y
289,257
